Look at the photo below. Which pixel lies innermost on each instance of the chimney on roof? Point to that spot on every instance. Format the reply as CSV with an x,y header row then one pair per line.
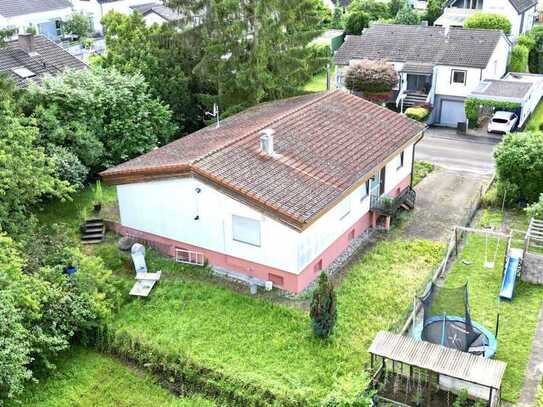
x,y
266,141
26,43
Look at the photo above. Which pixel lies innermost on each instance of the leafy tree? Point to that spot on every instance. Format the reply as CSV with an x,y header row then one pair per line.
x,y
337,17
519,165
252,50
434,9
396,5
165,57
535,210
100,115
323,310
26,173
356,22
377,10
372,76
489,21
407,16
526,40
78,24
536,52
519,59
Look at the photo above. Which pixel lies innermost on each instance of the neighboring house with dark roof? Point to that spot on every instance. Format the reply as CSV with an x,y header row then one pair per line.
x,y
521,13
44,16
436,65
276,192
31,57
97,9
155,13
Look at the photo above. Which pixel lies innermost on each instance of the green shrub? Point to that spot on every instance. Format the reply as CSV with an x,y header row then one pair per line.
x,y
356,22
406,15
372,76
68,167
519,59
323,310
519,165
535,210
376,10
489,21
434,10
526,40
418,113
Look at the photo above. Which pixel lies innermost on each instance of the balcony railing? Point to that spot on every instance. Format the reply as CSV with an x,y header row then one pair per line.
x,y
388,206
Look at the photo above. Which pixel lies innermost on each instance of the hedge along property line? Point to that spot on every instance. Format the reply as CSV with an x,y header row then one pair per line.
x,y
183,375
471,107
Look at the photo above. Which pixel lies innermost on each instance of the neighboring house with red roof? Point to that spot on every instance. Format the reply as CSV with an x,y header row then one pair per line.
x,y
277,192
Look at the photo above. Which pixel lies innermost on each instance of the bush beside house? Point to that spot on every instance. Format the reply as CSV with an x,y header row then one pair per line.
x,y
519,59
419,113
472,108
489,21
374,79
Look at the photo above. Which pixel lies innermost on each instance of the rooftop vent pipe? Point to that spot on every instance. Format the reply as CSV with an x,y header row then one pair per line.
x,y
266,141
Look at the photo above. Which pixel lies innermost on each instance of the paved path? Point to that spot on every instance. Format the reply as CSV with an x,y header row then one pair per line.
x,y
444,199
458,153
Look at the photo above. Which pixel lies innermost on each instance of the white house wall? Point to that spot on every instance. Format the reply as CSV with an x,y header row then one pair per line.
x,y
505,8
167,208
497,65
444,85
32,20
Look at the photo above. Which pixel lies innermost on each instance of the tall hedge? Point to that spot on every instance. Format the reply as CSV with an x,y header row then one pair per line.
x,y
471,108
519,59
489,21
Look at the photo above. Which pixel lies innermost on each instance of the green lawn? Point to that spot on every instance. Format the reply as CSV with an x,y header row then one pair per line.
x,y
317,83
86,378
272,345
69,211
536,119
518,319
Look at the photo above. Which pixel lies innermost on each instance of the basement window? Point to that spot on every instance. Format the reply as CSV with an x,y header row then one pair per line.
x,y
246,230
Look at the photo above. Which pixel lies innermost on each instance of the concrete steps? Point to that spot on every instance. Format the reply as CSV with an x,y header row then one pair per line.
x,y
93,232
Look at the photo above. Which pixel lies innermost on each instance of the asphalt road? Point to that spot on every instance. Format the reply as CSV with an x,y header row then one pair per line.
x,y
450,151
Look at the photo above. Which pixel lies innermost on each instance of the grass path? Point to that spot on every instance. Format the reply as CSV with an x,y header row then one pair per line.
x,y
85,378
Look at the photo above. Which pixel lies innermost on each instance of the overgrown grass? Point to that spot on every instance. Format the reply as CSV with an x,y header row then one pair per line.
x,y
422,169
317,83
86,378
536,119
272,345
68,212
518,318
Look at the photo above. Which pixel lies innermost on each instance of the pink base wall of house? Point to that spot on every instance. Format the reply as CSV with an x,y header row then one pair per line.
x,y
283,279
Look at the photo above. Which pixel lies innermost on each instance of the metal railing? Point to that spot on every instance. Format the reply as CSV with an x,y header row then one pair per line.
x,y
389,206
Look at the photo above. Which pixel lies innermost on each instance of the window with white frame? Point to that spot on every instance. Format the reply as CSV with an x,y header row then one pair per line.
x,y
365,190
400,160
458,77
246,230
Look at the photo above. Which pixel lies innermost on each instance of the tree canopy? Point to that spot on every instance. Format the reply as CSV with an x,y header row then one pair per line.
x,y
100,115
356,22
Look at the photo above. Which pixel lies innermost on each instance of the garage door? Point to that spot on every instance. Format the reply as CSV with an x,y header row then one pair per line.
x,y
452,112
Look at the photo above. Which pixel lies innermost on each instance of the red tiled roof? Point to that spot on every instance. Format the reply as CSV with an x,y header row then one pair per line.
x,y
325,144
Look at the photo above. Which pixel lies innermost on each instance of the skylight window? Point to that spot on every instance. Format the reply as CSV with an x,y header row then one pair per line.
x,y
23,72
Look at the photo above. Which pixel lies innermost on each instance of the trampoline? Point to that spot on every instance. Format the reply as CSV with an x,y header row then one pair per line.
x,y
446,321
451,331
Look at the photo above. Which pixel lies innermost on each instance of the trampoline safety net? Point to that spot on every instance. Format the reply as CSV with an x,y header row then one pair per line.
x,y
446,319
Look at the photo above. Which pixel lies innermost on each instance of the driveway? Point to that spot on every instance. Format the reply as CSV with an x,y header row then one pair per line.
x,y
464,165
443,147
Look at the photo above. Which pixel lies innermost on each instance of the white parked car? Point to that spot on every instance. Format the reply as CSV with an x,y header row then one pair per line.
x,y
502,122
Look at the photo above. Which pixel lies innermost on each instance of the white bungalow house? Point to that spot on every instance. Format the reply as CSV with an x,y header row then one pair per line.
x,y
521,13
43,16
276,192
436,66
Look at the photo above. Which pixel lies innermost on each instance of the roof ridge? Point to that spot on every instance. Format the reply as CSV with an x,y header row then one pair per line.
x,y
280,117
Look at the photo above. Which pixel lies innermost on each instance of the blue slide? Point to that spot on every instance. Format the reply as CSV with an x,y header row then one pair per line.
x,y
509,277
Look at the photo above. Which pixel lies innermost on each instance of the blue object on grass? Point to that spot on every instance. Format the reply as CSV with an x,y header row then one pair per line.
x,y
70,270
509,277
